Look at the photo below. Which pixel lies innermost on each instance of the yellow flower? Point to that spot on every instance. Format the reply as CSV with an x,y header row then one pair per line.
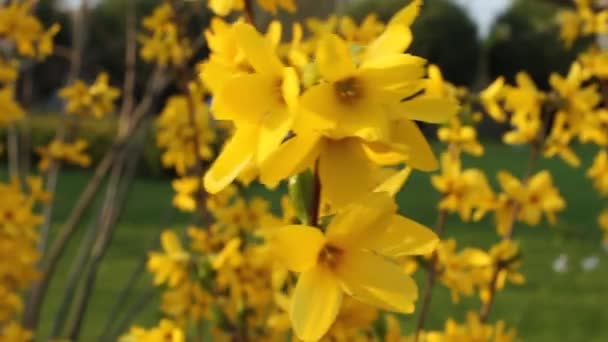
x,y
535,197
598,172
166,331
490,98
178,137
462,191
263,114
524,100
462,137
505,256
185,188
10,111
170,265
472,330
369,29
95,100
187,302
13,332
73,153
351,257
570,26
162,43
9,70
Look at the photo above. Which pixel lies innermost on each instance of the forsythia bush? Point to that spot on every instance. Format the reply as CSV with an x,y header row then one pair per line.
x,y
333,113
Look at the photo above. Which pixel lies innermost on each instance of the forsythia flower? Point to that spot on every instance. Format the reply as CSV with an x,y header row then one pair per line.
x,y
524,100
25,31
182,141
263,115
536,196
162,43
505,260
351,257
459,271
170,265
599,172
73,153
462,191
166,331
472,330
10,111
462,137
95,100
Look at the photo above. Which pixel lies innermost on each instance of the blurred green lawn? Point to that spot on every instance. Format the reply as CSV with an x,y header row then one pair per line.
x,y
548,307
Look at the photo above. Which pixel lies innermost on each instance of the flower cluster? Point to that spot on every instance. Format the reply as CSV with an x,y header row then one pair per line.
x,y
73,153
18,252
161,41
95,100
583,20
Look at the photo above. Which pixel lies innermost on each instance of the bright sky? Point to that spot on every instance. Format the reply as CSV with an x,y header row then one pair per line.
x,y
484,12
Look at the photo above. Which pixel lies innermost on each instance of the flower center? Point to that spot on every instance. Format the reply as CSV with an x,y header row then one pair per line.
x,y
330,256
348,90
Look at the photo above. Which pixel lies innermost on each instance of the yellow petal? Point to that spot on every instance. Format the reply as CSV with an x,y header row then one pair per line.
x,y
427,109
297,247
357,223
247,98
346,173
272,132
421,155
383,153
376,281
315,304
235,156
394,183
258,50
403,237
170,242
395,39
407,15
333,58
292,157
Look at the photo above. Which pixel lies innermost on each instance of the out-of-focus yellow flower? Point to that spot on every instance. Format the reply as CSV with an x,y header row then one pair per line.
x,y
10,111
462,191
14,332
169,266
472,330
184,142
25,31
9,70
535,197
73,153
95,100
490,98
506,261
461,137
598,172
369,29
524,100
347,258
162,43
187,302
166,331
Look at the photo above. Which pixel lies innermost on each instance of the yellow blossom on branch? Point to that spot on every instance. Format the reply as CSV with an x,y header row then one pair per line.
x,y
95,100
353,257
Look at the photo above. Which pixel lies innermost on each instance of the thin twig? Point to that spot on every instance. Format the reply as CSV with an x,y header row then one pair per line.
x,y
431,277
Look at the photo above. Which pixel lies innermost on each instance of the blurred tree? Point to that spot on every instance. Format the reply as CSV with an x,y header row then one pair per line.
x,y
445,35
526,37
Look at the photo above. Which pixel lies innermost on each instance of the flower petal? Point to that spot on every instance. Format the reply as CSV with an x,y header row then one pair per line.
x,y
246,98
315,304
346,173
395,39
377,281
235,156
404,237
357,223
427,109
259,51
421,155
333,58
292,157
297,247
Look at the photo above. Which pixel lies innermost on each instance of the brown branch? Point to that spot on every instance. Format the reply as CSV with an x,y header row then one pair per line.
x,y
431,277
249,12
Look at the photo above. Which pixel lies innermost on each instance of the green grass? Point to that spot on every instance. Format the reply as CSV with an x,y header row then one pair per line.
x,y
548,307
